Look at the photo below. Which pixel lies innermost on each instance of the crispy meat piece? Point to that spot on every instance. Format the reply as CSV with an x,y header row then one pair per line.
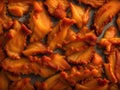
x,y
5,20
105,14
4,81
93,85
57,8
71,36
45,66
109,73
58,34
93,3
83,57
80,74
80,15
110,32
35,48
110,66
17,40
97,59
109,39
39,23
60,61
82,40
117,68
75,46
56,83
19,7
23,84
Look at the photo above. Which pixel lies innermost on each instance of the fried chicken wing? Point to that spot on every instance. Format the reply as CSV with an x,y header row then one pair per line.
x,y
57,8
105,14
39,22
17,40
93,3
58,34
23,84
19,7
35,48
80,15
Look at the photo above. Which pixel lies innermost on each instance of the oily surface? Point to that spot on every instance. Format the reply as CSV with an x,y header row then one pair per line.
x,y
66,43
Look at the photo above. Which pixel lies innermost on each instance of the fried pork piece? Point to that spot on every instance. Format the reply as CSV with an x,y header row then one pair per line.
x,y
79,14
23,84
56,83
35,48
4,81
5,21
82,40
71,36
109,39
117,68
16,40
80,74
59,32
57,8
45,66
93,3
110,67
19,7
105,14
39,23
82,57
95,84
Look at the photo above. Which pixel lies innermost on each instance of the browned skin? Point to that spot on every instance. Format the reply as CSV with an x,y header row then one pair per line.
x,y
19,7
105,14
66,58
93,3
57,8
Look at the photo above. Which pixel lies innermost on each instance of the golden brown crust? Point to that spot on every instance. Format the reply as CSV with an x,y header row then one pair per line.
x,y
45,66
93,3
57,8
17,34
58,34
39,23
83,57
105,14
19,8
93,84
35,48
80,15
